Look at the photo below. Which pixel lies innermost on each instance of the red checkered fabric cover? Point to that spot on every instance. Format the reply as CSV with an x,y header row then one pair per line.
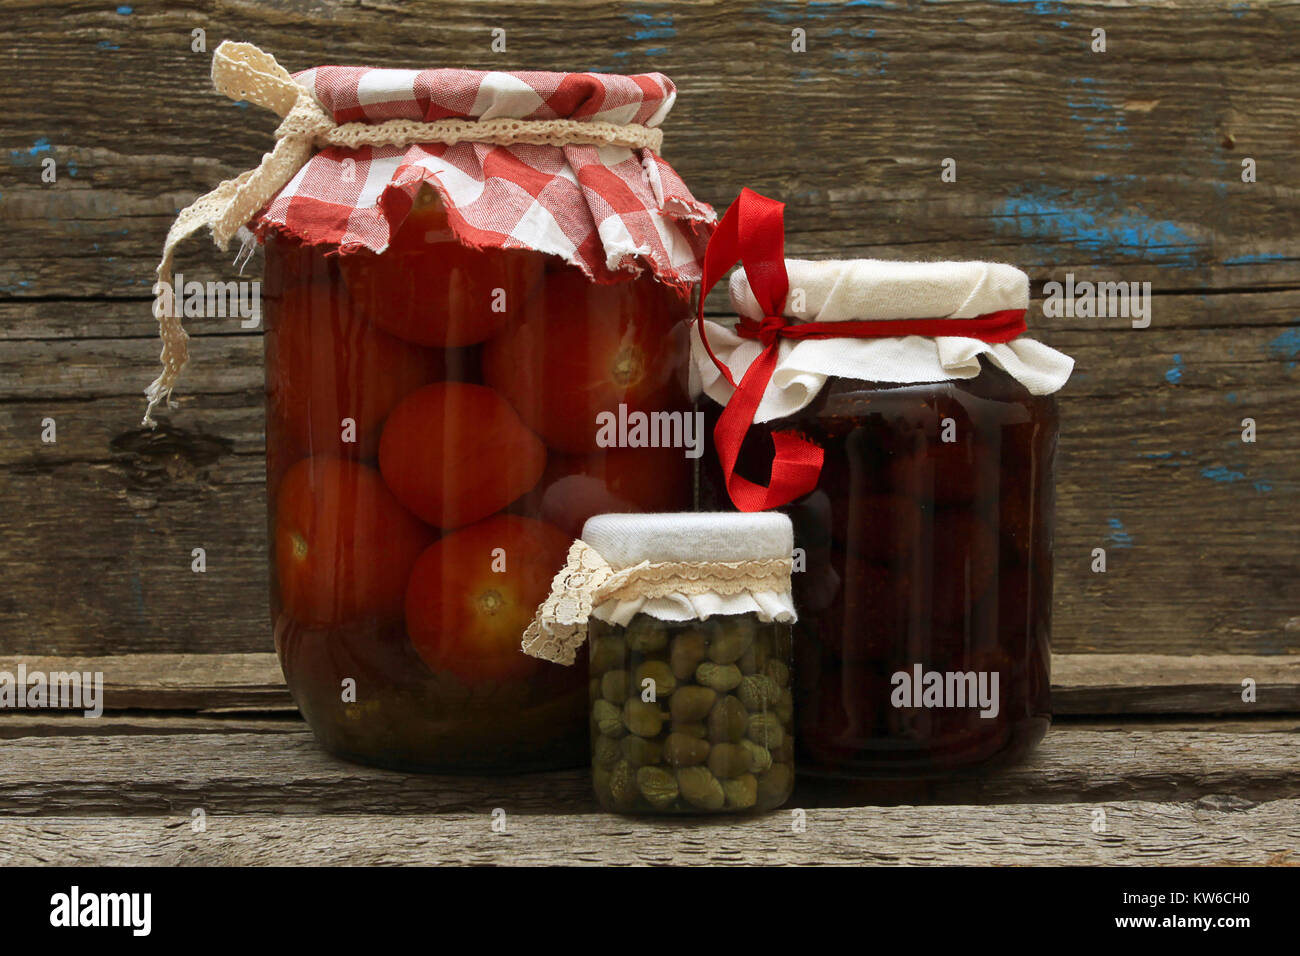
x,y
606,209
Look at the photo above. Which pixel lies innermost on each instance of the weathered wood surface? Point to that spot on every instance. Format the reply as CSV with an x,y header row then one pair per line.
x,y
1082,684
284,772
1121,165
1136,833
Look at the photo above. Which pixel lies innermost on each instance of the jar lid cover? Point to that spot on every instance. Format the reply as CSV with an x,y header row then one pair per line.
x,y
624,540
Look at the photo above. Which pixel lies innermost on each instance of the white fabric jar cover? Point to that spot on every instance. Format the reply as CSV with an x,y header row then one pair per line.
x,y
867,289
674,567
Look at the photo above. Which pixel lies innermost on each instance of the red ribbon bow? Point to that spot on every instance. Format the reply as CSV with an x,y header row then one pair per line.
x,y
753,233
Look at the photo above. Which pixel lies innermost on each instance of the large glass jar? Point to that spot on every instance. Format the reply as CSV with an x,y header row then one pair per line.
x,y
925,601
432,449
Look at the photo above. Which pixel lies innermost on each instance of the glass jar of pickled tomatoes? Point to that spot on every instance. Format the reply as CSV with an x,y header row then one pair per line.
x,y
475,297
924,569
431,453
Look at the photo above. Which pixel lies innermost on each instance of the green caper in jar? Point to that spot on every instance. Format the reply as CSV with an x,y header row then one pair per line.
x,y
741,792
607,652
688,649
721,677
785,752
643,718
608,718
728,721
646,634
731,637
728,760
691,728
605,751
613,686
664,683
622,785
692,703
760,758
765,729
784,707
640,752
683,750
658,786
779,671
774,785
700,788
757,692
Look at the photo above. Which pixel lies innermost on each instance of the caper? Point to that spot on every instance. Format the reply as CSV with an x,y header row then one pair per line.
x,y
785,752
613,686
748,662
784,707
646,634
728,760
659,672
608,718
732,636
692,728
658,786
765,729
778,671
643,718
605,751
741,792
622,785
700,788
639,751
683,750
757,692
721,677
692,703
775,785
760,758
689,648
728,721
607,652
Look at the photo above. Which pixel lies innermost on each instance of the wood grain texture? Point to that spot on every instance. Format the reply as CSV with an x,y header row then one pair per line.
x,y
1121,165
284,772
1136,834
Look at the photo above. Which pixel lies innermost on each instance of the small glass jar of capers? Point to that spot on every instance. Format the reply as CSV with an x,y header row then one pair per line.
x,y
688,617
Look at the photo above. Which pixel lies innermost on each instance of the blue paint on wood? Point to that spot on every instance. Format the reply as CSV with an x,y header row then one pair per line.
x,y
1222,474
1118,537
107,45
1232,397
1286,345
1175,373
125,11
1096,222
1257,258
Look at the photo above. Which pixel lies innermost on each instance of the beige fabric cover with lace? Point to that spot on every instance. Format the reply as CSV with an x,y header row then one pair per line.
x,y
675,567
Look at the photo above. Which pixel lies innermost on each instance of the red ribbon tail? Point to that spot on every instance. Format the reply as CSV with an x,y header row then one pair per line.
x,y
797,463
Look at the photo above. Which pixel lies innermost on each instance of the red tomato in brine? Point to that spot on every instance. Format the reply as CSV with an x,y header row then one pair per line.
x,y
575,487
454,453
429,289
583,349
344,547
473,592
326,365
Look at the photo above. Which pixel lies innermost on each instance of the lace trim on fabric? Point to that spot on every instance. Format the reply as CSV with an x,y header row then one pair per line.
x,y
560,626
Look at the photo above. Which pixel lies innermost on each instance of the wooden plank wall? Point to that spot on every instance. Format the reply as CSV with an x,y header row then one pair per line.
x,y
1120,165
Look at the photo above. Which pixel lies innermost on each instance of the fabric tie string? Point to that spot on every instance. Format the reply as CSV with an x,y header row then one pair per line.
x,y
753,233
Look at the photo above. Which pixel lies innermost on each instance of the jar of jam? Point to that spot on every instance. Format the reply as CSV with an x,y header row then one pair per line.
x,y
450,328
690,658
924,535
